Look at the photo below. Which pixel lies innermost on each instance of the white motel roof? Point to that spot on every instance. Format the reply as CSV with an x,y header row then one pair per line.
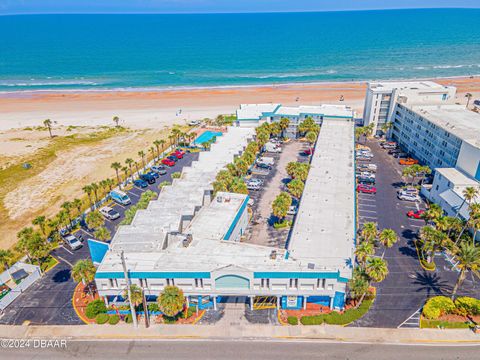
x,y
257,111
387,86
324,229
455,119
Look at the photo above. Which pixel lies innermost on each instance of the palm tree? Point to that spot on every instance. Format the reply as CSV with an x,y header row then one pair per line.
x,y
77,204
433,213
5,256
116,166
468,259
469,194
102,234
376,269
23,237
472,220
296,187
136,295
468,96
129,162
88,189
311,138
95,188
369,231
281,205
142,155
171,301
363,251
67,206
388,238
48,124
358,285
152,151
40,221
84,271
116,120
94,220
125,172
157,144
284,123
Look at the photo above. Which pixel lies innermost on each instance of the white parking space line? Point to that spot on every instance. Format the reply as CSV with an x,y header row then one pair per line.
x,y
368,217
68,262
64,248
132,193
367,200
416,226
367,211
367,205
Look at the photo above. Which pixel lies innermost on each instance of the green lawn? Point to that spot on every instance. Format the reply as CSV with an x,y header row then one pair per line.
x,y
424,323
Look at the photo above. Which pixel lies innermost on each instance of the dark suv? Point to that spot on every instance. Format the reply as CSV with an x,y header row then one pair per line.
x,y
148,178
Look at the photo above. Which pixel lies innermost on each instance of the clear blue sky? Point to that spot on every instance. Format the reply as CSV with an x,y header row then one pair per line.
x,y
211,6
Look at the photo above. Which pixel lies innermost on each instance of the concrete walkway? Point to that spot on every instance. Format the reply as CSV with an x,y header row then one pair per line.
x,y
223,330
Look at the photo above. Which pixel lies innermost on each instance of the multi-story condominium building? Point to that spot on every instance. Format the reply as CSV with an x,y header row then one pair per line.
x,y
254,114
440,136
196,241
382,97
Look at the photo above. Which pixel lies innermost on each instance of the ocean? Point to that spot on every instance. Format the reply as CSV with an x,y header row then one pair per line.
x,y
96,52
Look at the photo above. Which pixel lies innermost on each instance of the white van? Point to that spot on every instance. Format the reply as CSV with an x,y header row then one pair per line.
x,y
271,147
120,197
266,160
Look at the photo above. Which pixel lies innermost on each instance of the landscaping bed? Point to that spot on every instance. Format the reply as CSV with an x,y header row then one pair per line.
x,y
443,312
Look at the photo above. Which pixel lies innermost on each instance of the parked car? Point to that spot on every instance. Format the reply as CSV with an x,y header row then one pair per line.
x,y
364,155
168,162
366,174
264,166
154,174
389,144
400,155
394,151
408,161
408,190
367,189
292,210
120,197
180,151
173,158
255,181
409,197
254,187
178,155
140,183
148,178
272,147
366,180
159,169
72,242
193,122
109,213
416,214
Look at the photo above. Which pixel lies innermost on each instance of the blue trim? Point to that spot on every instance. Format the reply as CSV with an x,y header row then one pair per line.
x,y
342,279
296,275
237,218
152,275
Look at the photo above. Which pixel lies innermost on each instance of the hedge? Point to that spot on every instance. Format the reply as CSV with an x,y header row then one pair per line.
x,y
292,320
424,323
113,319
128,319
438,306
336,318
101,318
467,306
94,308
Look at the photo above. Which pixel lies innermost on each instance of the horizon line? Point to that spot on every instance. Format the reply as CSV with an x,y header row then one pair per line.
x,y
237,12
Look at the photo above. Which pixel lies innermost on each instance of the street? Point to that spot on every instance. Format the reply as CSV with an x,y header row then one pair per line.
x,y
241,349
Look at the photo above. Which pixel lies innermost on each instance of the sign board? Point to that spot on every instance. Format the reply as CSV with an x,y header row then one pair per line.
x,y
291,301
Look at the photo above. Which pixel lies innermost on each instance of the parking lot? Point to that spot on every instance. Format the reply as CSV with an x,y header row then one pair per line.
x,y
49,300
407,286
261,230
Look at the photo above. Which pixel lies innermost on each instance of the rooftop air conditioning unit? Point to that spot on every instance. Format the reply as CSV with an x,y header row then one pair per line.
x,y
187,240
273,254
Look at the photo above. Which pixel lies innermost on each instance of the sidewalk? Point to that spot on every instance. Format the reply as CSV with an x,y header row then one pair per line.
x,y
226,331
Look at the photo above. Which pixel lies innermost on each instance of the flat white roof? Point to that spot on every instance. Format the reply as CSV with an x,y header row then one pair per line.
x,y
257,111
324,229
457,178
386,86
455,119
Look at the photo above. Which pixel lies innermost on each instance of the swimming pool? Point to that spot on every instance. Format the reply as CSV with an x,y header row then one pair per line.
x,y
207,136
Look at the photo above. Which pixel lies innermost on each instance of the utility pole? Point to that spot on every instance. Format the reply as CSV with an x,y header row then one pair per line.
x,y
145,309
127,280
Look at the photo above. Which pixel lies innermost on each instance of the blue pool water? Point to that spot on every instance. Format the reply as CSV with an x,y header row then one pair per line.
x,y
207,136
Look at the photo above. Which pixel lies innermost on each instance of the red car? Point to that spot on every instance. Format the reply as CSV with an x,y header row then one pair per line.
x,y
307,152
177,154
416,214
168,162
367,189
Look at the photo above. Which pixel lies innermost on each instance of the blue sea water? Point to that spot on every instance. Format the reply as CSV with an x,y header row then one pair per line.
x,y
59,52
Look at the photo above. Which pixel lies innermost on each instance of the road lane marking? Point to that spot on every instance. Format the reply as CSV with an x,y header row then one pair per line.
x,y
64,248
68,262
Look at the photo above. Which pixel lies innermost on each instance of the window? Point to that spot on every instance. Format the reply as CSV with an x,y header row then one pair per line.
x,y
265,284
170,282
113,283
199,283
330,286
436,188
143,283
321,283
293,283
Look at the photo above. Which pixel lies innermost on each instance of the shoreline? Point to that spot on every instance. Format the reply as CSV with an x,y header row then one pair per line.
x,y
225,87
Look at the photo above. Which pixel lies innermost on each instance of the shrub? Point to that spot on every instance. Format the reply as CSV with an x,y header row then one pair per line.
x,y
312,320
94,308
292,320
438,306
190,311
153,307
113,320
128,319
176,175
101,318
467,306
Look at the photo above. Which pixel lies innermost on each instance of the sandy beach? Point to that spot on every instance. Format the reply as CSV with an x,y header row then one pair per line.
x,y
147,114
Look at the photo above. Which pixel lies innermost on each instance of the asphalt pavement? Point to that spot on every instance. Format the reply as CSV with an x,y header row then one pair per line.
x,y
407,286
49,300
239,349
